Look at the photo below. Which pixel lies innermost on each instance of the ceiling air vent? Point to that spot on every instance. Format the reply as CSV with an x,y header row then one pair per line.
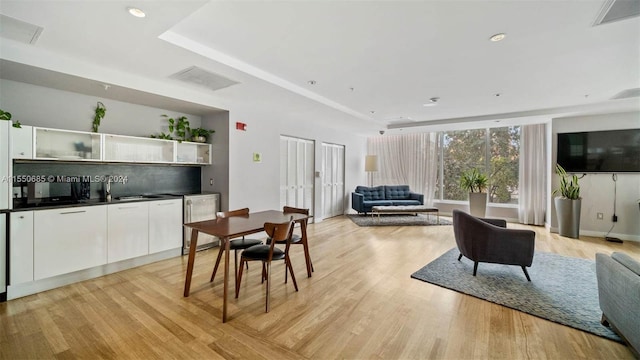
x,y
626,94
201,77
614,10
19,30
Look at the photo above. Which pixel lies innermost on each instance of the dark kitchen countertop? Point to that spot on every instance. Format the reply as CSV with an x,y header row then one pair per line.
x,y
71,204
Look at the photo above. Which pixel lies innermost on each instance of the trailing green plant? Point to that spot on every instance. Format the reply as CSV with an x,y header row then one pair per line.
x,y
569,187
201,132
100,112
178,129
5,115
473,181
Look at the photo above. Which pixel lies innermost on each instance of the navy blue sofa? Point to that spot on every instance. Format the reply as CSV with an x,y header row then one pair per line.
x,y
364,198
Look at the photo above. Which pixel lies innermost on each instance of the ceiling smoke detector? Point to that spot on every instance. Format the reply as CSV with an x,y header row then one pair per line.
x,y
432,102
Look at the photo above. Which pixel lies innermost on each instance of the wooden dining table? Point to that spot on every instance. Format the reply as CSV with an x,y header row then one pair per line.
x,y
229,228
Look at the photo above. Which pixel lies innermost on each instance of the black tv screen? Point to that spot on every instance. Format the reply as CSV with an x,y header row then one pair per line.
x,y
614,151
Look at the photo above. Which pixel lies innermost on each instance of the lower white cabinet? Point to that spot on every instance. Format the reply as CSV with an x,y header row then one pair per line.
x,y
128,228
20,247
165,225
67,240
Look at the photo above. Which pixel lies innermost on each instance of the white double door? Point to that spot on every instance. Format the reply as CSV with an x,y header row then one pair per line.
x,y
332,180
297,172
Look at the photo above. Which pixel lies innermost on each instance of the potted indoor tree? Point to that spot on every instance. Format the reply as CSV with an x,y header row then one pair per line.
x,y
475,183
568,204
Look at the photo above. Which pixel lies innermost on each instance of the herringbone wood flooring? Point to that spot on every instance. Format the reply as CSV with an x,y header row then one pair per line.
x,y
360,303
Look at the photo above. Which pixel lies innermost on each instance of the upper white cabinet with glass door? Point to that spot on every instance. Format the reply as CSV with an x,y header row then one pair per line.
x,y
136,149
54,144
193,153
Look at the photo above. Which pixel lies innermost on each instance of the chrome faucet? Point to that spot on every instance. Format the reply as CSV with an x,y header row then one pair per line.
x,y
108,189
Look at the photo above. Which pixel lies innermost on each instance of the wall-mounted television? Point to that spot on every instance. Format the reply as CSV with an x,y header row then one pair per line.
x,y
613,151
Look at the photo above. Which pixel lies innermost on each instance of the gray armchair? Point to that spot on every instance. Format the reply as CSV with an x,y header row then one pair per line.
x,y
488,240
619,296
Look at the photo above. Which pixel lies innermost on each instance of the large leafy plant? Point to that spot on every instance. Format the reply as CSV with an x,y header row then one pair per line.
x,y
569,187
473,181
178,127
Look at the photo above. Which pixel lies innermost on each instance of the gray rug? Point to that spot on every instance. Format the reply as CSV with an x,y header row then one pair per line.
x,y
562,289
397,220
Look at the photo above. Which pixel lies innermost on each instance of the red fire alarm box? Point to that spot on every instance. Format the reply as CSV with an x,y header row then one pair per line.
x,y
241,126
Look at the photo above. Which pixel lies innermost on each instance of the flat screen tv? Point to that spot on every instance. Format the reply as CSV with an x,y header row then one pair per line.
x,y
614,151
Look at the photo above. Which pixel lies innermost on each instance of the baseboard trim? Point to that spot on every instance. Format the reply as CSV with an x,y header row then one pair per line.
x,y
33,287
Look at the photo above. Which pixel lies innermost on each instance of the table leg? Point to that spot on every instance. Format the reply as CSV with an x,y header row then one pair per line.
x,y
226,279
307,257
192,256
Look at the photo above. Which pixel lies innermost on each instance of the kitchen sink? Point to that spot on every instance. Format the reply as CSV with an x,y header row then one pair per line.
x,y
138,197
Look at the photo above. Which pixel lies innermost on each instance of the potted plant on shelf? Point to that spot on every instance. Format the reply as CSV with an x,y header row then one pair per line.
x,y
179,126
100,112
568,204
200,135
5,115
475,183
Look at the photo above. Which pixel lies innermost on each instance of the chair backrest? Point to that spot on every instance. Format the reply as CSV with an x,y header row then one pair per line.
x,y
230,213
279,232
289,209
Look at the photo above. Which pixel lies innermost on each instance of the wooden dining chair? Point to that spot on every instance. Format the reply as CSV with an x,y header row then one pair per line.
x,y
302,238
236,244
281,233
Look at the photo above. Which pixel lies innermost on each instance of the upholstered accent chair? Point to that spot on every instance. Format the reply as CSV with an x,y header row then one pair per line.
x,y
489,241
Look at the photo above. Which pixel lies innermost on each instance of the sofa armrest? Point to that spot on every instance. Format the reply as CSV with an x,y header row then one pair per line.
x,y
416,196
357,202
627,261
618,294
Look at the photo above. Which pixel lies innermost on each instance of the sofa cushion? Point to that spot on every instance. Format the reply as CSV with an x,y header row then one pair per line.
x,y
627,261
397,192
369,204
406,202
371,193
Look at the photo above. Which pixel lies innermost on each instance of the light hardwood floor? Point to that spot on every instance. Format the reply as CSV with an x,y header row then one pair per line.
x,y
360,304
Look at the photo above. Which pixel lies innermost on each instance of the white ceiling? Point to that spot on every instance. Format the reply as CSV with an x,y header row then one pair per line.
x,y
387,57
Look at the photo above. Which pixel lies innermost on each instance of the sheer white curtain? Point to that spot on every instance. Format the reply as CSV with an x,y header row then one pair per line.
x,y
532,183
410,159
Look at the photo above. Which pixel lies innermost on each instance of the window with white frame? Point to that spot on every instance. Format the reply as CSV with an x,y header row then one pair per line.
x,y
494,152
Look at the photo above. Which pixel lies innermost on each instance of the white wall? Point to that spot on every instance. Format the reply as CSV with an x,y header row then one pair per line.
x,y
597,189
257,185
241,182
46,107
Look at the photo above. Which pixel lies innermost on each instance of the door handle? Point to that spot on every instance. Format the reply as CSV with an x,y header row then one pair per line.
x,y
73,212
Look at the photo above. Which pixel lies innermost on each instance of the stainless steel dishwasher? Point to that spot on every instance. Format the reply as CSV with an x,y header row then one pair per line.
x,y
199,208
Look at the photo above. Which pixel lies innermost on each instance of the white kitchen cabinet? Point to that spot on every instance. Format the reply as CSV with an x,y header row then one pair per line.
x,y
21,247
128,228
5,184
193,153
22,142
69,239
165,225
54,144
136,149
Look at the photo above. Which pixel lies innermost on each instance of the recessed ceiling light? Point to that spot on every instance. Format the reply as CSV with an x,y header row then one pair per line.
x,y
372,111
497,94
498,37
311,82
136,12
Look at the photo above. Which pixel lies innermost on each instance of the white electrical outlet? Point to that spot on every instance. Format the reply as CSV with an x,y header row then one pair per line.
x,y
600,216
